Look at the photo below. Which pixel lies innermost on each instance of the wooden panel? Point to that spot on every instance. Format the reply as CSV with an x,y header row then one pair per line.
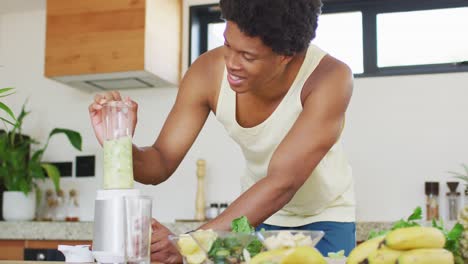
x,y
53,244
94,36
60,7
11,249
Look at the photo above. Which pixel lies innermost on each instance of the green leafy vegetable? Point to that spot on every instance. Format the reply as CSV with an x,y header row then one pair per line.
x,y
452,238
241,225
409,222
254,247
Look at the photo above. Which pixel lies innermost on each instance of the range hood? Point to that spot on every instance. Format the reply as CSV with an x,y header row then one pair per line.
x,y
108,45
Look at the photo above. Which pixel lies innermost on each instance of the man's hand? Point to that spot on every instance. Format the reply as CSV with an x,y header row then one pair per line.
x,y
162,249
95,111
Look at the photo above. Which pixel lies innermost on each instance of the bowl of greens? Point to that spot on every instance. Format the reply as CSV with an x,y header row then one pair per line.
x,y
228,247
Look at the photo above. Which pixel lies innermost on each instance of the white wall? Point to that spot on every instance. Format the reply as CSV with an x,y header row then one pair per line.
x,y
400,131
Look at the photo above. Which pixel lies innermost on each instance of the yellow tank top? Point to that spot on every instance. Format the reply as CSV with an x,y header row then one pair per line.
x,y
328,193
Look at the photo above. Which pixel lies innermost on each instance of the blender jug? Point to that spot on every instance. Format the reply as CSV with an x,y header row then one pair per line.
x,y
118,131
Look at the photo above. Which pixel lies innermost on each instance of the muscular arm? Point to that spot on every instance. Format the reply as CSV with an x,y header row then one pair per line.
x,y
154,164
314,133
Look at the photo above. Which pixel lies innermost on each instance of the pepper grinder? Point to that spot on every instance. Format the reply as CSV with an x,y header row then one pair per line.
x,y
452,198
200,197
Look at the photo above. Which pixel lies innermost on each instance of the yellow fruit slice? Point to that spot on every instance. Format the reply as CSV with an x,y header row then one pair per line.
x,y
205,238
303,255
187,245
272,256
196,258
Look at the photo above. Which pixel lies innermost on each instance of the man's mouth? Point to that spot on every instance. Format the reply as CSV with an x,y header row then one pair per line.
x,y
235,80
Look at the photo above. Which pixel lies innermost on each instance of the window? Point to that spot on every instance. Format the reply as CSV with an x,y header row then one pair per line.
x,y
215,35
340,34
375,38
422,37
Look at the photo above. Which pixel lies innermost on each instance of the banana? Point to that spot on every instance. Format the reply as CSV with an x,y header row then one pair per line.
x,y
426,256
362,251
384,255
415,237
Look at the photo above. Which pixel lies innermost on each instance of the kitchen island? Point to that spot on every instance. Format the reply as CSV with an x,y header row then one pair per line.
x,y
83,231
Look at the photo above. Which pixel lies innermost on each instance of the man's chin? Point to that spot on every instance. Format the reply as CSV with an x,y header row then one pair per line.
x,y
239,89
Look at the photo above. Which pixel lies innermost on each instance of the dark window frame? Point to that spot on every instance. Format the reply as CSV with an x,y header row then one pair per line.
x,y
202,15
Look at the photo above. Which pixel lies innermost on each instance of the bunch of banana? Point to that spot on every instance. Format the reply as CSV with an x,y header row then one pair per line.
x,y
415,245
463,219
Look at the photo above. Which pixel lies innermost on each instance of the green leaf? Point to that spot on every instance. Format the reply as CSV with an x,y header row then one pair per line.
x,y
7,121
73,136
375,233
416,215
241,225
466,168
463,178
5,108
254,247
456,232
5,95
4,90
53,174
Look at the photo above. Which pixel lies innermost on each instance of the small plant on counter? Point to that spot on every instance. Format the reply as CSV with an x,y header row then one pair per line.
x,y
19,168
463,217
6,92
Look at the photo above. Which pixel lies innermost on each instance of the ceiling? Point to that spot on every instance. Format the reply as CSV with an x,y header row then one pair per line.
x,y
7,6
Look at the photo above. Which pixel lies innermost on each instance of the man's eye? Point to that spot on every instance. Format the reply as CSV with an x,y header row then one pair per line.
x,y
248,58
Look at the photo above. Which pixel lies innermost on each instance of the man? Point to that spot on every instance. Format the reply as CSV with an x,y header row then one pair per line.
x,y
284,102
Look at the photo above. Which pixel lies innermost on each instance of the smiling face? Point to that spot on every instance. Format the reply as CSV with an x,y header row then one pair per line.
x,y
251,65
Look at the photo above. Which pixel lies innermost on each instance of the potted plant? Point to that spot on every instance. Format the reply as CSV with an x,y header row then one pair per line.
x,y
3,107
463,217
20,168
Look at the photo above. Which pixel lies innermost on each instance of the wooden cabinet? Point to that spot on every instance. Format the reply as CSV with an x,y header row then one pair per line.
x,y
89,40
14,249
11,249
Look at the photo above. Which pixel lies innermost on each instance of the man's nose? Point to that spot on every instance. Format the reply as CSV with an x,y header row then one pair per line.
x,y
232,60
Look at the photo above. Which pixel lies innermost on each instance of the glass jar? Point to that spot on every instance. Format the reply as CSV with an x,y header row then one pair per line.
x,y
73,207
453,200
212,211
60,207
118,131
432,200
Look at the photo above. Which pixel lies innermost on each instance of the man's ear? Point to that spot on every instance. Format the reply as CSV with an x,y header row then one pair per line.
x,y
284,60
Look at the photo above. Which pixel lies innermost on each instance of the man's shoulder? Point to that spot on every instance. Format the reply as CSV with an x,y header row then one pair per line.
x,y
331,68
205,75
331,74
210,62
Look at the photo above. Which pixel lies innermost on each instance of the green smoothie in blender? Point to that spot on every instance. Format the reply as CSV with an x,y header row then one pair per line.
x,y
118,164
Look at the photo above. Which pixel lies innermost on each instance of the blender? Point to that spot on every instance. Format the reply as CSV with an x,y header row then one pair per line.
x,y
115,204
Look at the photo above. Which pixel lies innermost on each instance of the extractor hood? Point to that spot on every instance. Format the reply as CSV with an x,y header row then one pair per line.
x,y
108,45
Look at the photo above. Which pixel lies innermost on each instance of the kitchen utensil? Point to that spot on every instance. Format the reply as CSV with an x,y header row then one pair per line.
x,y
138,234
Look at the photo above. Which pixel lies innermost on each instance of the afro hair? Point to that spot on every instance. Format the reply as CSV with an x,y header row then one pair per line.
x,y
286,26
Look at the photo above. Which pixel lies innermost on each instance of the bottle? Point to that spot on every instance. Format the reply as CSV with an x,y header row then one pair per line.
x,y
200,196
432,200
222,207
51,203
73,207
212,211
61,207
452,198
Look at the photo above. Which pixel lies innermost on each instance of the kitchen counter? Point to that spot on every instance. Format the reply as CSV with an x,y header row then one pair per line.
x,y
84,230
44,262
